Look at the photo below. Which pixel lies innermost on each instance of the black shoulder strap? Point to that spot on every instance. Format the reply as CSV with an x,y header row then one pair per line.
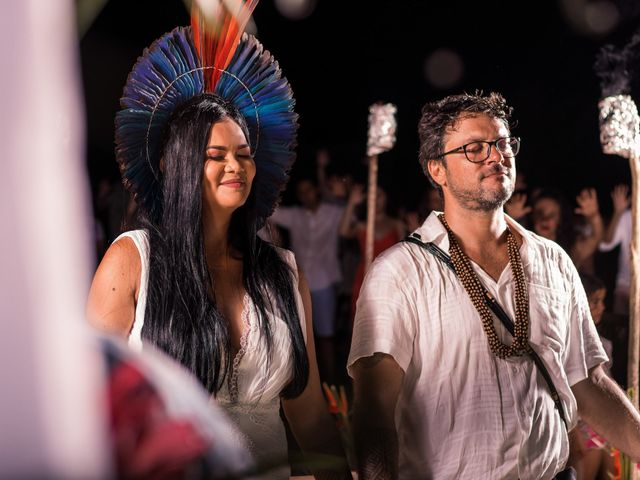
x,y
499,312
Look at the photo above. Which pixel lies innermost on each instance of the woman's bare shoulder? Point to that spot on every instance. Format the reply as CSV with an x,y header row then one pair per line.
x,y
114,290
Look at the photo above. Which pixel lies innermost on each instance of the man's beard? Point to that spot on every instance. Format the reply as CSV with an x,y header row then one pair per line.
x,y
480,198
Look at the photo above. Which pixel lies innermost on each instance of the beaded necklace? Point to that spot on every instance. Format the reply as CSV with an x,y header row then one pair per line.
x,y
476,292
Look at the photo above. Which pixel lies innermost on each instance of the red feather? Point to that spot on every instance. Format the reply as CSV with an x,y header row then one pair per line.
x,y
216,37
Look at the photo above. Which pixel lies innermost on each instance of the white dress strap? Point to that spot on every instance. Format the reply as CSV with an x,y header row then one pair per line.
x,y
141,240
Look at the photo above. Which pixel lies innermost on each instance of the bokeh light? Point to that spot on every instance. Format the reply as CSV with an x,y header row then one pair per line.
x,y
295,9
443,68
601,17
593,18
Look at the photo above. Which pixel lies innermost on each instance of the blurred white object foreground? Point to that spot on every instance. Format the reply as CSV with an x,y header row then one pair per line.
x,y
50,422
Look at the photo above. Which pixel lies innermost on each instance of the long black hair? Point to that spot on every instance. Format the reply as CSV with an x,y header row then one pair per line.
x,y
181,314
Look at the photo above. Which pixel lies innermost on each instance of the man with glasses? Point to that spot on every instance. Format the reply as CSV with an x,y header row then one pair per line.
x,y
473,352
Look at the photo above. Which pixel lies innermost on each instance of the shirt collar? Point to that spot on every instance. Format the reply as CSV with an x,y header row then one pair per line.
x,y
433,231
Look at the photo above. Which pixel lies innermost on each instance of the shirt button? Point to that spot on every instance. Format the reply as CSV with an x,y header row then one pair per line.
x,y
514,369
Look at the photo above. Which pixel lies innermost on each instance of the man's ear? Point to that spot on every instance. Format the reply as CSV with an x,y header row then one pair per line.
x,y
437,170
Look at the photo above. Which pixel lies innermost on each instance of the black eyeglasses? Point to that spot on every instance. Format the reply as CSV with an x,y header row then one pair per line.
x,y
480,150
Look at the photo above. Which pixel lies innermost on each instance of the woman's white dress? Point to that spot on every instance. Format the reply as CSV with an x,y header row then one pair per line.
x,y
251,396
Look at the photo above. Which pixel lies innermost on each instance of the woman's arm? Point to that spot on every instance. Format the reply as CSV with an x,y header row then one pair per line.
x,y
621,201
112,298
308,414
348,227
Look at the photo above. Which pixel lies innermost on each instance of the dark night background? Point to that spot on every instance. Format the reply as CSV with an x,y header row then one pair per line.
x,y
349,54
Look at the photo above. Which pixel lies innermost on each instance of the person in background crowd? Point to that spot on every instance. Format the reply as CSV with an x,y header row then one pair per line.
x,y
388,231
618,233
313,232
551,218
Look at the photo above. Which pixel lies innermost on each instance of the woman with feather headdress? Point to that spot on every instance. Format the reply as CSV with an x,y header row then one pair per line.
x,y
205,141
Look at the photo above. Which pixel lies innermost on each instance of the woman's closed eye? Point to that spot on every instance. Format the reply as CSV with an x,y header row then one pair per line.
x,y
223,155
245,153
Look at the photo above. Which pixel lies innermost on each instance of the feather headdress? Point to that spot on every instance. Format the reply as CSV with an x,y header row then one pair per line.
x,y
213,55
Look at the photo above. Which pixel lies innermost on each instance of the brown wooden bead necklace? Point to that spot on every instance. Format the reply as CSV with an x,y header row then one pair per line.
x,y
477,293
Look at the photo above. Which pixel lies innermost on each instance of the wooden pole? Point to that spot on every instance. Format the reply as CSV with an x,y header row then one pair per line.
x,y
382,136
634,288
372,193
620,135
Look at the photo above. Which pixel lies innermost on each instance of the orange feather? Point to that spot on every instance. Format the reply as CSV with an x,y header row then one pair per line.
x,y
216,36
